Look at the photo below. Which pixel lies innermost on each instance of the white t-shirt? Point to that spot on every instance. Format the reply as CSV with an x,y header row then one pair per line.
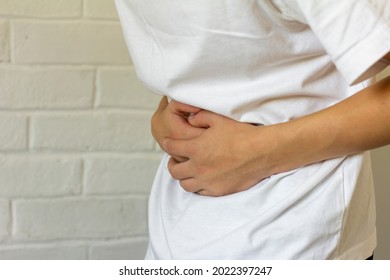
x,y
262,62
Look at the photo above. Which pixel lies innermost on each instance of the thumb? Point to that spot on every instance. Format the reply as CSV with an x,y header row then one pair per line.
x,y
184,108
203,119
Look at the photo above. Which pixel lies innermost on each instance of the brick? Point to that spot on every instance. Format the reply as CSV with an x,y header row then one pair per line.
x,y
43,252
100,9
133,249
5,219
68,43
92,132
120,175
13,134
79,218
121,88
4,40
45,88
41,8
39,176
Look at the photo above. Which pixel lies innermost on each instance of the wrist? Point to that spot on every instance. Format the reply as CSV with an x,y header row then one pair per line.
x,y
281,147
265,150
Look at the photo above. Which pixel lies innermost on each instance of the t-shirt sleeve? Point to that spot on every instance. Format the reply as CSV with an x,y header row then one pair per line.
x,y
355,33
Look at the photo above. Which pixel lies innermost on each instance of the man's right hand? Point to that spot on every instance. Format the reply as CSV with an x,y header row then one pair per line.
x,y
171,121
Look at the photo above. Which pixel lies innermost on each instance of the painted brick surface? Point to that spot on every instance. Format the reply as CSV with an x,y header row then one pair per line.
x,y
39,175
120,175
133,249
4,40
100,9
5,219
41,8
46,88
123,132
79,218
68,42
121,88
13,134
77,158
43,252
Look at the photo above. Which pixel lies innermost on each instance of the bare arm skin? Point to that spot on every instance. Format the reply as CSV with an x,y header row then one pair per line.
x,y
227,156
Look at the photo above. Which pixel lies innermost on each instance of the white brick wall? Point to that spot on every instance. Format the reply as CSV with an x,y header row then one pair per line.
x,y
42,251
39,176
113,83
41,8
13,129
5,219
76,156
104,174
74,218
91,131
99,9
67,42
4,40
126,249
46,87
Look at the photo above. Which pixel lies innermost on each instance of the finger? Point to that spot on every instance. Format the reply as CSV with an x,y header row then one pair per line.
x,y
179,170
203,119
177,147
185,131
190,185
179,159
204,192
163,103
184,108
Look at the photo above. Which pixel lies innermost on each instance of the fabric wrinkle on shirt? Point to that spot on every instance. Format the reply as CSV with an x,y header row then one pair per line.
x,y
262,62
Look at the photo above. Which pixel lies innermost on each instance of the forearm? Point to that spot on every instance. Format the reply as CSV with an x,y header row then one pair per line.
x,y
228,156
359,123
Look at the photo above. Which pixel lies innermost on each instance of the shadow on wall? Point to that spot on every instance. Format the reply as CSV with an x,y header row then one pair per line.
x,y
381,170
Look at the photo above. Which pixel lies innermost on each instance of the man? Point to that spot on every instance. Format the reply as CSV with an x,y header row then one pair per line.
x,y
270,115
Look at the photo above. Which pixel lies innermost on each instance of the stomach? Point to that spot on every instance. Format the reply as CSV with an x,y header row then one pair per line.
x,y
292,215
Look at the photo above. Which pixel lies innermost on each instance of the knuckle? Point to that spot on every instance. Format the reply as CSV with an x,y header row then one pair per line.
x,y
176,134
173,103
187,186
171,169
174,175
166,144
192,150
202,171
